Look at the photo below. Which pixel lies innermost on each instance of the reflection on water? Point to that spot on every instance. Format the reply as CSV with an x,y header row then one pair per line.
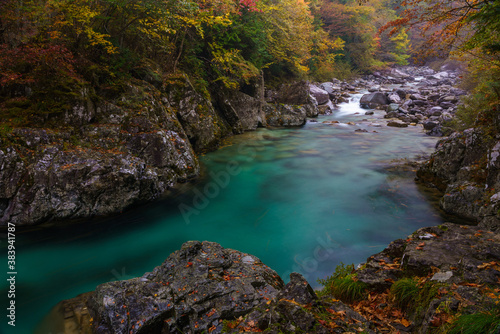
x,y
300,199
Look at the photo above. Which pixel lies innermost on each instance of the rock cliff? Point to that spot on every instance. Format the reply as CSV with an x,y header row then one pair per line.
x,y
111,151
465,168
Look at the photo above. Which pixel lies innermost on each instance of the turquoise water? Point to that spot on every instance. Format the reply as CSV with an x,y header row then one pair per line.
x,y
300,199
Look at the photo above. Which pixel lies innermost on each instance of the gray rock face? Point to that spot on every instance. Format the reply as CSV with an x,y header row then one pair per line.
x,y
99,169
454,253
460,169
373,100
192,292
283,115
202,124
241,111
130,149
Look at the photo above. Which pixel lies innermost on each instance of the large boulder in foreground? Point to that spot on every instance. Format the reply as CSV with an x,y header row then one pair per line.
x,y
204,288
373,100
193,291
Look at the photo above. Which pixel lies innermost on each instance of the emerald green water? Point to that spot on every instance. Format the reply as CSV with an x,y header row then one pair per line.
x,y
300,199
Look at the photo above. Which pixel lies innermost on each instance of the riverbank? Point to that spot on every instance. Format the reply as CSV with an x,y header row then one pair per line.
x,y
442,278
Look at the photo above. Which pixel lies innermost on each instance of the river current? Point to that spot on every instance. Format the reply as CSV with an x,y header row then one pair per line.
x,y
301,199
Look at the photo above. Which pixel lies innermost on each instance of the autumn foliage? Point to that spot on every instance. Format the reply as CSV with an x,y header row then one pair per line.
x,y
55,48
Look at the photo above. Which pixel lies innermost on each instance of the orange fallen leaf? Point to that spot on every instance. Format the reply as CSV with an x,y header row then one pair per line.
x,y
405,322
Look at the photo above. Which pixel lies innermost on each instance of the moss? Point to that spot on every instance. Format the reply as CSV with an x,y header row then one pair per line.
x,y
443,227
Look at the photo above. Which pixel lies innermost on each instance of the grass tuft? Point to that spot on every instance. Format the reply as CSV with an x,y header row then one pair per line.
x,y
405,292
482,322
342,284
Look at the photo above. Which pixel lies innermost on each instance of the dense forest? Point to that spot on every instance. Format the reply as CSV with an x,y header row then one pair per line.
x,y
59,47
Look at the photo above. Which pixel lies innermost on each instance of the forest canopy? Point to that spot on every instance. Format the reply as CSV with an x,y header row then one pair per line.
x,y
65,43
57,47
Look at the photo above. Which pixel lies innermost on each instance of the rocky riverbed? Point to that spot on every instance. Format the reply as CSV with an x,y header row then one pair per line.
x,y
410,96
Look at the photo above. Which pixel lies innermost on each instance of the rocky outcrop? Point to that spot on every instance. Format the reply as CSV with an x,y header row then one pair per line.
x,y
104,155
298,95
284,115
206,288
450,266
242,111
297,309
202,123
122,157
451,253
193,291
465,168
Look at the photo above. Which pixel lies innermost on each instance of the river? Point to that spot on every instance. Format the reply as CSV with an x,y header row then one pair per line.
x,y
301,199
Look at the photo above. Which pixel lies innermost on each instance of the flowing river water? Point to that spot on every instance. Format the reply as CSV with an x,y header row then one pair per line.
x,y
301,199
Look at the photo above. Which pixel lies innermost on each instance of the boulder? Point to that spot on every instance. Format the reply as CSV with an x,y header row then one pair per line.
x,y
435,111
446,105
373,100
397,124
319,94
392,107
429,125
284,115
330,87
193,291
241,111
325,109
416,97
401,93
394,98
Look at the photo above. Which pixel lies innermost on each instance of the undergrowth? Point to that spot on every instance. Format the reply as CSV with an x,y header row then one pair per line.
x,y
487,322
342,284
